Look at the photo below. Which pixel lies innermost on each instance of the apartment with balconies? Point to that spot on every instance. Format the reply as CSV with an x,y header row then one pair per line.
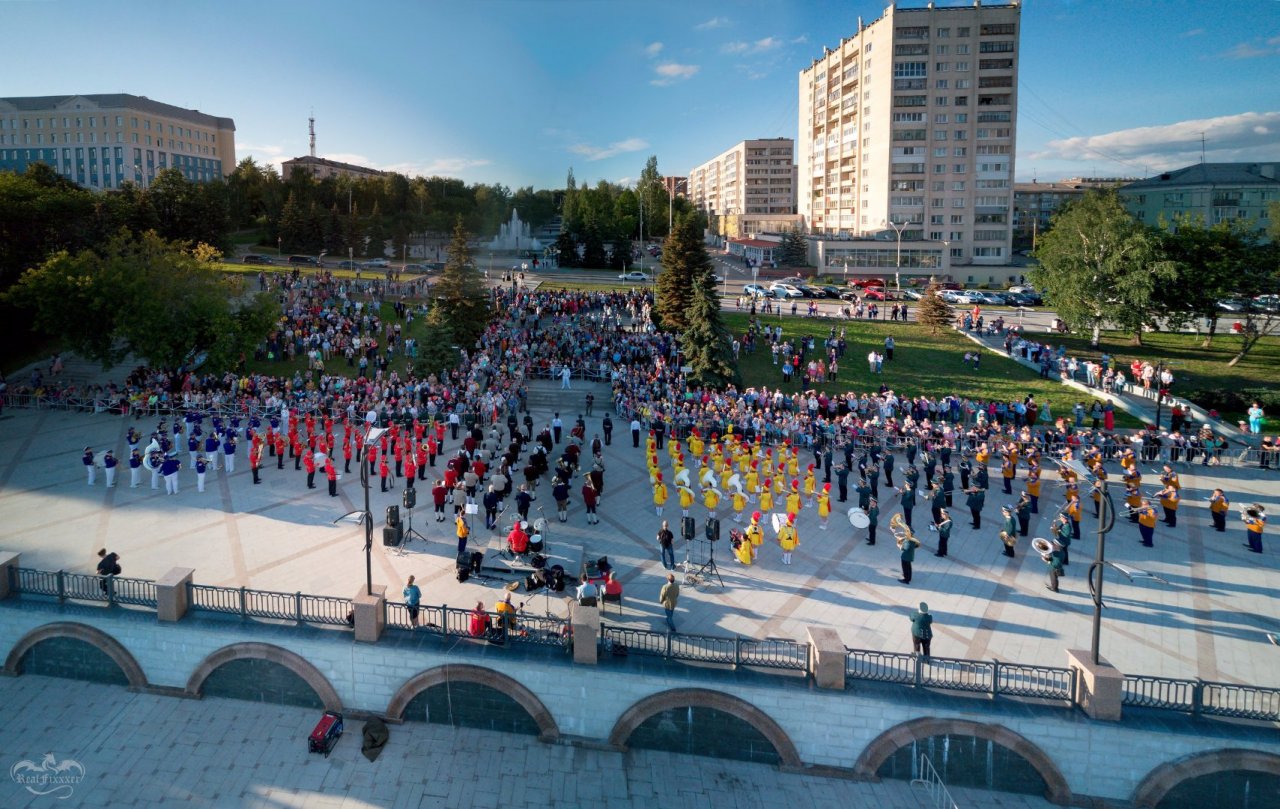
x,y
909,125
1208,192
750,188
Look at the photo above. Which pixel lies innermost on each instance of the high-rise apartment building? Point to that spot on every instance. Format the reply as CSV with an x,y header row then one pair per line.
x,y
910,124
100,141
749,188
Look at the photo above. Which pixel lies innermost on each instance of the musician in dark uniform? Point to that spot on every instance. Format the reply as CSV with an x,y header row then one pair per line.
x,y
948,482
842,482
873,514
981,479
944,534
965,469
1055,567
1023,510
977,498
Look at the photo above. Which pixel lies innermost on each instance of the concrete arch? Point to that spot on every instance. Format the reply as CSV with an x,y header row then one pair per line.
x,y
266,651
636,715
548,730
899,736
82,632
1158,783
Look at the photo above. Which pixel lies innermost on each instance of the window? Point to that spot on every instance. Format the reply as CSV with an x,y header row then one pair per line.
x,y
956,235
940,118
935,235
962,32
962,117
960,151
963,84
911,50
988,252
939,186
940,84
993,47
993,183
941,151
941,50
937,203
910,101
119,120
958,185
962,101
957,219
939,168
935,219
993,117
961,134
961,50
943,33
941,67
940,134
906,117
940,101
958,203
962,67
995,29
995,64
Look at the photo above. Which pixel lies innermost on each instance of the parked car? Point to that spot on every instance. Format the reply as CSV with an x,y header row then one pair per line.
x,y
376,264
961,297
874,294
634,275
348,265
781,290
830,291
1018,299
1267,303
1024,289
755,291
950,285
849,295
863,283
254,258
810,292
304,261
988,298
912,294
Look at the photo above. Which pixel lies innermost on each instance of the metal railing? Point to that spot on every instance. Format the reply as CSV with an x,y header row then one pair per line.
x,y
1202,697
1166,693
770,653
927,777
64,586
959,674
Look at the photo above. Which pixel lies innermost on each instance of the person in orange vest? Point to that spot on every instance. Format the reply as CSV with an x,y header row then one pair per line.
x,y
1007,471
1255,519
295,448
255,459
422,460
433,448
1218,506
1033,488
410,468
309,461
384,471
279,450
1073,513
1169,502
331,472
399,456
1147,523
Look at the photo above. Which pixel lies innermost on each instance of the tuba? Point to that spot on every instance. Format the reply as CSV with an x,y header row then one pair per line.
x,y
1008,539
1041,546
1253,512
901,532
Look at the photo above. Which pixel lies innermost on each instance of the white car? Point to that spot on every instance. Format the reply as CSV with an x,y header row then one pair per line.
x,y
1023,290
781,290
755,291
634,275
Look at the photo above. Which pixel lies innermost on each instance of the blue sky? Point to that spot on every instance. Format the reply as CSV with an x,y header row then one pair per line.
x,y
517,92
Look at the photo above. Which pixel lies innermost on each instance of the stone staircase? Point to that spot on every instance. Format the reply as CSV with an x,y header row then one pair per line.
x,y
546,396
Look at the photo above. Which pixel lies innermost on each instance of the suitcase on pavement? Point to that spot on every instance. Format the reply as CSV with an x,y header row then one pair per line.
x,y
326,734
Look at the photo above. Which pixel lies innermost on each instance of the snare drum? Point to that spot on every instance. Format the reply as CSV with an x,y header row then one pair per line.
x,y
535,543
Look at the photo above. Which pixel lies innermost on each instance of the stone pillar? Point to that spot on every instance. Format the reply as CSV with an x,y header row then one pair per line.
x,y
173,594
586,634
8,563
371,613
826,657
1099,686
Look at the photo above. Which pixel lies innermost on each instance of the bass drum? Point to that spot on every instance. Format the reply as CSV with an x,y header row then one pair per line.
x,y
535,543
859,518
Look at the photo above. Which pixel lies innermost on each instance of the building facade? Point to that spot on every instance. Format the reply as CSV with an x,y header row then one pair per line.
x,y
676,186
749,188
320,168
1035,203
911,121
1213,192
101,141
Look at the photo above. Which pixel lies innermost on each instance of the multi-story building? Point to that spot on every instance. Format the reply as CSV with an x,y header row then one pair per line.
x,y
320,168
1212,192
748,189
100,141
1035,203
910,123
676,186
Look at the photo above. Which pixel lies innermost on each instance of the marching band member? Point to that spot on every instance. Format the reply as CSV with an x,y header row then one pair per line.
x,y
1218,506
201,466
1132,500
810,484
907,497
739,500
1008,530
793,499
1062,534
754,533
1147,523
1055,567
873,514
1170,478
659,493
169,468
109,464
1023,512
711,499
87,459
944,534
937,501
686,499
135,468
1255,519
788,539
155,460
743,549
976,499
1169,498
824,505
1033,488
766,495
1072,511
907,556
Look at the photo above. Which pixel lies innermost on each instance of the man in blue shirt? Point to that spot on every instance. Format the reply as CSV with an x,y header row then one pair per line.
x,y
169,469
109,462
412,597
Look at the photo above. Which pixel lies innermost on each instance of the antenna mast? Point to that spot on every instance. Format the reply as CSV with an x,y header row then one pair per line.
x,y
311,126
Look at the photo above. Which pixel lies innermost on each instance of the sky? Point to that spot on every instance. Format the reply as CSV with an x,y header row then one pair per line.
x,y
518,92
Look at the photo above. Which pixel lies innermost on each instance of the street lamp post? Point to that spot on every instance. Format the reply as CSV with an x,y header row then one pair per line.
x,y
279,243
897,273
372,434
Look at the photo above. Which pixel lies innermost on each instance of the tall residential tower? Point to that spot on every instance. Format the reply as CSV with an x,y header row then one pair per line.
x,y
911,121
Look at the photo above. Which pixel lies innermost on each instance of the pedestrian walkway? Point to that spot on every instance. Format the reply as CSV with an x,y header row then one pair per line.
x,y
154,751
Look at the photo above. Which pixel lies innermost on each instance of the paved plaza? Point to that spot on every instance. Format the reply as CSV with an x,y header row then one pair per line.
x,y
154,751
1207,618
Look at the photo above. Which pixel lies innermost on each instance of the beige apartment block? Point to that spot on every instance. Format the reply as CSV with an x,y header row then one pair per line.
x,y
754,181
910,124
101,141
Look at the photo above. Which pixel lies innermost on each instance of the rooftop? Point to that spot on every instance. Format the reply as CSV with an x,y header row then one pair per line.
x,y
1212,174
117,101
308,160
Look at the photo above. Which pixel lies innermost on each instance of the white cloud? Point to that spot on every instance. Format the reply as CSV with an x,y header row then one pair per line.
x,y
594,153
1229,138
714,22
1253,49
672,72
1194,32
441,166
759,46
800,40
653,49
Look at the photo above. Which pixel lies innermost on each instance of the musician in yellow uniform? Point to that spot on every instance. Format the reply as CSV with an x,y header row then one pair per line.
x,y
1133,500
1072,511
1169,498
659,494
824,505
793,462
1099,481
1147,523
711,499
753,479
983,455
810,483
788,539
1071,483
1128,461
766,495
1218,507
695,444
1170,478
793,499
739,501
1033,488
743,550
754,532
1255,519
726,472
686,500
1007,472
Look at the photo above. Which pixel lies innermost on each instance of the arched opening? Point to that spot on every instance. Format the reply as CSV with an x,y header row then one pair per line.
x,y
260,672
75,651
1222,779
700,722
966,754
474,697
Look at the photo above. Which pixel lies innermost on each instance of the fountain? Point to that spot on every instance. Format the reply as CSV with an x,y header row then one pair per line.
x,y
514,236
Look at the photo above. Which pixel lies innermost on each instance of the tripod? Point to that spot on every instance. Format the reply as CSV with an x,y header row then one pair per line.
x,y
703,572
409,533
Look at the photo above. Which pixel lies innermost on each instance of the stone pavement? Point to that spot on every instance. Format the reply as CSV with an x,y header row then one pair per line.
x,y
152,751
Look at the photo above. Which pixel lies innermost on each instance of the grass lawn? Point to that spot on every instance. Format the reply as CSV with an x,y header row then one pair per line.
x,y
1194,367
922,364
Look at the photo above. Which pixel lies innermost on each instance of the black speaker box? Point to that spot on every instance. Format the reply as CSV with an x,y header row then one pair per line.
x,y
713,528
410,497
688,528
391,536
393,516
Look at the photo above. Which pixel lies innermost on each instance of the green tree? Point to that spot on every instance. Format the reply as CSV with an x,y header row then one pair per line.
x,y
376,233
654,198
354,235
706,344
795,250
461,301
684,261
567,248
1211,264
437,350
1098,266
179,304
292,225
933,312
593,252
334,238
620,254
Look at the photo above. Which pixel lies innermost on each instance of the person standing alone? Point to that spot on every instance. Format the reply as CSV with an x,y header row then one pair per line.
x,y
921,629
669,596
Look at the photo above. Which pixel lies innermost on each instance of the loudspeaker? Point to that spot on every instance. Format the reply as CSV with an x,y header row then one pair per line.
x,y
410,497
713,528
393,516
688,528
391,536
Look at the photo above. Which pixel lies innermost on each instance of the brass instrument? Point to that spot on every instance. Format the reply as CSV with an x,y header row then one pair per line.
x,y
901,531
1008,539
1043,547
1255,512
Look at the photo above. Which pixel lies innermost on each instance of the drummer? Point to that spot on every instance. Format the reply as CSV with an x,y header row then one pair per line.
x,y
518,539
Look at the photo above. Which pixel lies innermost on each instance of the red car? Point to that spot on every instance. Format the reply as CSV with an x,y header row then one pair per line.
x,y
874,294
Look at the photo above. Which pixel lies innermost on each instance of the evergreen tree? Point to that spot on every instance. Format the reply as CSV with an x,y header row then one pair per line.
x,y
593,253
933,311
684,260
461,301
568,249
313,230
706,344
334,235
620,254
291,224
437,350
795,250
376,233
354,235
